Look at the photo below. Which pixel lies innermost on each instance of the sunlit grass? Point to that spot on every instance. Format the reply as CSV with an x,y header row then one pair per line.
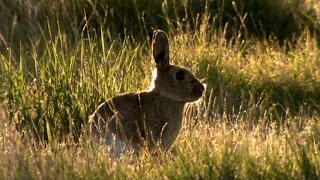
x,y
202,151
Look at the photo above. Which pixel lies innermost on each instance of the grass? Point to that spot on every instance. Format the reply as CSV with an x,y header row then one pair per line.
x,y
257,120
203,151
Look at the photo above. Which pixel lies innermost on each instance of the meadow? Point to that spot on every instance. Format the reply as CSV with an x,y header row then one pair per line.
x,y
260,61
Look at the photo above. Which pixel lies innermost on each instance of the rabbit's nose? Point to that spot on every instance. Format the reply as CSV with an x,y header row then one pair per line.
x,y
200,87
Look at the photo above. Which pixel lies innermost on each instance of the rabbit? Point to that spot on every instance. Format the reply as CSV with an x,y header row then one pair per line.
x,y
150,118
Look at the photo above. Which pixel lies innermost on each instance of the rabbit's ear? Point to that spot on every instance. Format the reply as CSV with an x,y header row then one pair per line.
x,y
160,48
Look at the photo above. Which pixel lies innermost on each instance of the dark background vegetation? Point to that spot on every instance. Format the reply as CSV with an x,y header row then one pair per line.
x,y
31,19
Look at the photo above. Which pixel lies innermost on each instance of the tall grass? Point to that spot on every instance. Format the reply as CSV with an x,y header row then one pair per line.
x,y
65,85
257,120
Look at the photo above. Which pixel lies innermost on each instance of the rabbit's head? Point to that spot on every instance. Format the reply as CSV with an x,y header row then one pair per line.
x,y
171,81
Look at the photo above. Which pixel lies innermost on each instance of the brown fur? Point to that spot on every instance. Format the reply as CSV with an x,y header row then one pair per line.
x,y
152,117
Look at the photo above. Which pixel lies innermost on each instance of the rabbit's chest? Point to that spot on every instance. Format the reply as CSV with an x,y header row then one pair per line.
x,y
166,115
168,112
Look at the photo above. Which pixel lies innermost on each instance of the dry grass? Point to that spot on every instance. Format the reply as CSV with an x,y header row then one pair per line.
x,y
202,151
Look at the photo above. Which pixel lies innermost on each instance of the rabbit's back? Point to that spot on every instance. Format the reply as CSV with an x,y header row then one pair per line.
x,y
139,118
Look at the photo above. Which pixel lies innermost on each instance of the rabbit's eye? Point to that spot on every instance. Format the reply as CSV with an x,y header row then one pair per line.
x,y
180,75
